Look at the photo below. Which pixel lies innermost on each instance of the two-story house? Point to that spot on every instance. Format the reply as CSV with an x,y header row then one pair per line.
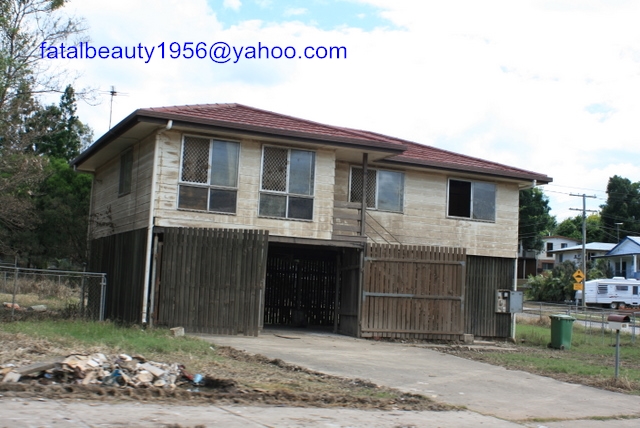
x,y
223,217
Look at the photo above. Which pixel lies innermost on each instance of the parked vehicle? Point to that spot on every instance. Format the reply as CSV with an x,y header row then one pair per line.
x,y
611,293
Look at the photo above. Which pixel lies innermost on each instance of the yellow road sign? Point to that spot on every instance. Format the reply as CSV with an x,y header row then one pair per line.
x,y
577,286
578,275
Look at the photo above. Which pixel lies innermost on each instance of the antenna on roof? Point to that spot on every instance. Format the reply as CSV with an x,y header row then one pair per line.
x,y
112,93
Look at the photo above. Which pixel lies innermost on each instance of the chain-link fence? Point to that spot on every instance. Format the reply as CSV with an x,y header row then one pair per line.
x,y
592,319
67,294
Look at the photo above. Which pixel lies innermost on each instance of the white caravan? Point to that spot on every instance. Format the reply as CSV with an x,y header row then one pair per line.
x,y
611,293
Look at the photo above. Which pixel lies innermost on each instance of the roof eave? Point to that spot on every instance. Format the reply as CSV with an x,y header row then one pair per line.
x,y
539,178
274,132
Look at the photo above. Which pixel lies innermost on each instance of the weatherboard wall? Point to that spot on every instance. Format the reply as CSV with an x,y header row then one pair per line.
x,y
425,222
167,213
112,213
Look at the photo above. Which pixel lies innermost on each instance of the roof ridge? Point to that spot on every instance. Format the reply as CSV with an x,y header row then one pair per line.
x,y
380,137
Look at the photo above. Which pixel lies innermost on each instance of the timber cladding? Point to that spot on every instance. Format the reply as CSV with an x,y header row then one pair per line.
x,y
121,257
213,280
413,292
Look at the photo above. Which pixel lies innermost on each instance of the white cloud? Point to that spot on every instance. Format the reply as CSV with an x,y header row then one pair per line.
x,y
523,83
264,3
295,11
232,4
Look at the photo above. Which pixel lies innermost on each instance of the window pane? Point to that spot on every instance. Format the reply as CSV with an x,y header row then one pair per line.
x,y
301,172
484,201
195,160
193,198
301,208
224,164
126,172
223,201
390,190
356,186
273,205
459,198
274,169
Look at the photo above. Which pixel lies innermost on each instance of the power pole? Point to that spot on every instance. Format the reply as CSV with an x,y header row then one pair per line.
x,y
584,240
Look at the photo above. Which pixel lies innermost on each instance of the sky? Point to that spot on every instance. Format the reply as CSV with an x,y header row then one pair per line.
x,y
548,86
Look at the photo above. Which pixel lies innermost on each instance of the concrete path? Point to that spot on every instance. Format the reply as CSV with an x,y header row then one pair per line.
x,y
492,396
488,390
16,413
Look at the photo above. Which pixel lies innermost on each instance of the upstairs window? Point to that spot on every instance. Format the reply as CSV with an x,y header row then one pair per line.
x,y
385,189
126,172
287,183
209,175
550,249
472,199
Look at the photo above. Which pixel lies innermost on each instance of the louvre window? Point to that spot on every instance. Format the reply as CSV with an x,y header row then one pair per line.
x,y
126,173
209,175
385,189
287,183
472,199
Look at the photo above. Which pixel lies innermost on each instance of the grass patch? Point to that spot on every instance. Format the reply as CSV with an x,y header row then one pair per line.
x,y
590,359
258,378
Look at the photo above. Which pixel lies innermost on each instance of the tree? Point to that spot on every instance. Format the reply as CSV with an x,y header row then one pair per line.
x,y
534,220
24,25
63,210
60,202
59,132
622,206
556,287
572,228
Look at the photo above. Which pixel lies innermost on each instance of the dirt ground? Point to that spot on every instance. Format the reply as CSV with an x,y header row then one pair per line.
x,y
233,377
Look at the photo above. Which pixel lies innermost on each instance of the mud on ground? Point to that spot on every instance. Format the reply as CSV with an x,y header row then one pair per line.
x,y
235,378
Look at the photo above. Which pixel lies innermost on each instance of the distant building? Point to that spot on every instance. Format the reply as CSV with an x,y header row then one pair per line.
x,y
574,253
623,257
531,262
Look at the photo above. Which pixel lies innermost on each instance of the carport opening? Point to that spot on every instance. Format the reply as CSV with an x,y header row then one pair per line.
x,y
300,288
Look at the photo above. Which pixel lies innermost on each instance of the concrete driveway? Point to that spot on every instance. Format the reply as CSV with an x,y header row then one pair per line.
x,y
509,395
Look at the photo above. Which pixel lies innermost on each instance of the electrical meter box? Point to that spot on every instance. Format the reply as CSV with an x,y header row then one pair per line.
x,y
508,301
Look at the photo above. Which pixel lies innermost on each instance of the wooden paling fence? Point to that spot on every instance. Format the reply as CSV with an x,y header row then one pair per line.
x,y
121,257
212,280
413,292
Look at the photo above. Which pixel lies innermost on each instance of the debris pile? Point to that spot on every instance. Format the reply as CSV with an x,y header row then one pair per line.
x,y
120,371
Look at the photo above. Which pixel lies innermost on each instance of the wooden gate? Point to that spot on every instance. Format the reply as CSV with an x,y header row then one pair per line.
x,y
413,292
485,276
212,280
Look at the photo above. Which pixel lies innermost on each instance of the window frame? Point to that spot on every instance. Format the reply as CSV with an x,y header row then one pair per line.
x,y
126,171
286,193
377,189
208,184
472,182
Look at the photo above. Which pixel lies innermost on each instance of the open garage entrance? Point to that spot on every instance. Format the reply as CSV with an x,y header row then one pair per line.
x,y
305,285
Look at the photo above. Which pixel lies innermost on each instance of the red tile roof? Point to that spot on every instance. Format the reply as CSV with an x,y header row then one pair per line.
x,y
419,154
251,117
238,117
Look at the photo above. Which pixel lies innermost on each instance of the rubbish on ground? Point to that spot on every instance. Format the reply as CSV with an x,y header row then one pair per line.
x,y
119,371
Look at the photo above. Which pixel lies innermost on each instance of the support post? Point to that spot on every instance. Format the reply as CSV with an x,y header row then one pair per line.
x,y
363,210
617,353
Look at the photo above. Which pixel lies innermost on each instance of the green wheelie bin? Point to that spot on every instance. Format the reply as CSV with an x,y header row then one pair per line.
x,y
561,329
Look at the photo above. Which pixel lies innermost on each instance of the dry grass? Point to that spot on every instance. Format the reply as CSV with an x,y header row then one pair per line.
x,y
55,295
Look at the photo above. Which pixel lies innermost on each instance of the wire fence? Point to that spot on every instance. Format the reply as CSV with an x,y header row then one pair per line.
x,y
67,294
592,319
